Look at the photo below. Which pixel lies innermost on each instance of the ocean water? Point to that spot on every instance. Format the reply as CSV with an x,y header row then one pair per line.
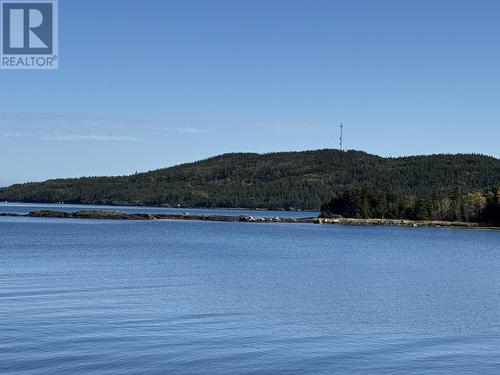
x,y
166,297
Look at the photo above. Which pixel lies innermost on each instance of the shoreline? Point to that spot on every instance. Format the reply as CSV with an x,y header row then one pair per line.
x,y
120,216
174,207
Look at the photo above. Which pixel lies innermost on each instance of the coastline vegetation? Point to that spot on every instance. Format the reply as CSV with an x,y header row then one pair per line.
x,y
370,203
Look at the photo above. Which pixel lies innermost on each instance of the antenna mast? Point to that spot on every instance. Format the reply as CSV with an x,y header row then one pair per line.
x,y
341,136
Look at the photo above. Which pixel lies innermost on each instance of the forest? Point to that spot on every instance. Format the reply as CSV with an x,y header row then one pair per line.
x,y
369,203
423,186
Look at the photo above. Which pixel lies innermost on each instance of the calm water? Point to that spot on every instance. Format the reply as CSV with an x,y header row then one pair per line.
x,y
91,297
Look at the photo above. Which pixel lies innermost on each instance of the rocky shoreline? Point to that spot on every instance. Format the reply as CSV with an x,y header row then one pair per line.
x,y
118,215
400,223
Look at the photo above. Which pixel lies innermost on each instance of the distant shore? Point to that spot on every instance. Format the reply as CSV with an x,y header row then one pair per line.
x,y
118,215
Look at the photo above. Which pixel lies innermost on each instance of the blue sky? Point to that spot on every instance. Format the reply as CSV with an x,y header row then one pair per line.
x,y
152,83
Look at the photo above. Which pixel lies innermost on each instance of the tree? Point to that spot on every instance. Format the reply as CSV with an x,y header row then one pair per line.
x,y
473,205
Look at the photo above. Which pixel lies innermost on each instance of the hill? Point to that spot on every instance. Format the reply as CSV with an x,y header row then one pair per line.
x,y
302,180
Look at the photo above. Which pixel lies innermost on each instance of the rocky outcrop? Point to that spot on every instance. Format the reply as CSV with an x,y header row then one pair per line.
x,y
90,214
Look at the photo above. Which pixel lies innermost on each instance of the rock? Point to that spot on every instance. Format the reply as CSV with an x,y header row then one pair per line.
x,y
50,214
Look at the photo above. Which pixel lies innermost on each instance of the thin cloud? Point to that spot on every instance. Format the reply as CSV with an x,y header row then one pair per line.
x,y
18,135
61,124
59,137
185,130
58,123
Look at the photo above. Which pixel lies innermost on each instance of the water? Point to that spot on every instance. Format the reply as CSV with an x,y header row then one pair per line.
x,y
24,208
166,297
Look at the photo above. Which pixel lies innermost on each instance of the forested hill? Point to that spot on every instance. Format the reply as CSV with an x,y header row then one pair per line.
x,y
303,180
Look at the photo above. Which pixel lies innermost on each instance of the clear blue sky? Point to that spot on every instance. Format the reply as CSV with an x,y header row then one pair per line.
x,y
151,83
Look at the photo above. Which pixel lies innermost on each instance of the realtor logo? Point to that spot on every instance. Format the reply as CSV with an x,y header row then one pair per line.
x,y
29,34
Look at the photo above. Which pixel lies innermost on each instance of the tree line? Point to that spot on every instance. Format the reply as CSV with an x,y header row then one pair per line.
x,y
368,203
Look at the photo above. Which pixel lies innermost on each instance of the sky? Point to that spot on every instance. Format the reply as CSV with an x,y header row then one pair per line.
x,y
152,83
